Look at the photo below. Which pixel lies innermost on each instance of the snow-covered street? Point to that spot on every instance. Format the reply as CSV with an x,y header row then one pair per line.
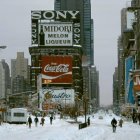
x,y
100,129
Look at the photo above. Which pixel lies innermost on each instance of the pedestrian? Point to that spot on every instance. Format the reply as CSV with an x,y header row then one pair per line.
x,y
88,120
120,122
29,121
114,124
51,118
133,117
36,121
0,119
139,118
42,121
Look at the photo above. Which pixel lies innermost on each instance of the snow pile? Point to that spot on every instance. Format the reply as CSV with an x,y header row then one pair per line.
x,y
100,129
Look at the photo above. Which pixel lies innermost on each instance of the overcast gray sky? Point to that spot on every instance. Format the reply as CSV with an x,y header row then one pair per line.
x,y
15,32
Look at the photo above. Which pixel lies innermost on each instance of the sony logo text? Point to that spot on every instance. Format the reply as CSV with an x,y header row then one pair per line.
x,y
49,15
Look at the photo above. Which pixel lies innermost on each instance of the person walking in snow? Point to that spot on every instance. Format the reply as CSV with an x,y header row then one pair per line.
x,y
114,124
42,121
0,119
120,122
29,121
139,118
51,118
36,121
88,120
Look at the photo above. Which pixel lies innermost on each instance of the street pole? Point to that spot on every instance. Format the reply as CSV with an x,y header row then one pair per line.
x,y
85,112
65,102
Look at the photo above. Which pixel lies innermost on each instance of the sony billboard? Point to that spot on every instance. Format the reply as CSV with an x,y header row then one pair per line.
x,y
55,28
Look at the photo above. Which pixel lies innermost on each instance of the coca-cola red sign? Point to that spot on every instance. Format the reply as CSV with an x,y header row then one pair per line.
x,y
56,69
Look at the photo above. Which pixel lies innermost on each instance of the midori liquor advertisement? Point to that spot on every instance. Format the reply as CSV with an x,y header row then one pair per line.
x,y
56,34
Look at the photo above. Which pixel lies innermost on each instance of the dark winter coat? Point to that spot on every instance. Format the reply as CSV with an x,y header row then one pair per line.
x,y
51,118
36,120
88,120
114,122
30,120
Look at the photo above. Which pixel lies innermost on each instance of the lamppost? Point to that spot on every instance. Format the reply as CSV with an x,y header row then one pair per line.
x,y
65,88
76,105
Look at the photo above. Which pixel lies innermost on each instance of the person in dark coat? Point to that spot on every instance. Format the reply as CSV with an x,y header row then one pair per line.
x,y
42,121
139,118
0,119
114,124
88,120
134,117
29,121
51,118
36,121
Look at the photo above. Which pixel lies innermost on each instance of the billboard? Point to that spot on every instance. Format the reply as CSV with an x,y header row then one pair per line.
x,y
128,80
51,98
56,34
56,69
136,79
130,19
55,28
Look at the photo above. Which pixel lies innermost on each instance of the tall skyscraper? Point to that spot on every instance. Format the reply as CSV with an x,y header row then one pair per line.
x,y
84,6
4,79
19,73
87,44
19,66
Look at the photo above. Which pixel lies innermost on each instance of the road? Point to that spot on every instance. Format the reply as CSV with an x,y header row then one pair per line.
x,y
100,129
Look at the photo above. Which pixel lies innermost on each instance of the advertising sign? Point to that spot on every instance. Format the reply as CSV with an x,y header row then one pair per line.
x,y
130,17
57,34
63,31
51,98
56,69
136,80
128,79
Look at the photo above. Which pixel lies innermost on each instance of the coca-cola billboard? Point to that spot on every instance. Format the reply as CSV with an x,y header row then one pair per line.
x,y
56,69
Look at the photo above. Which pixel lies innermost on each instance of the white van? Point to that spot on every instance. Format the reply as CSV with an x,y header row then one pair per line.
x,y
17,115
